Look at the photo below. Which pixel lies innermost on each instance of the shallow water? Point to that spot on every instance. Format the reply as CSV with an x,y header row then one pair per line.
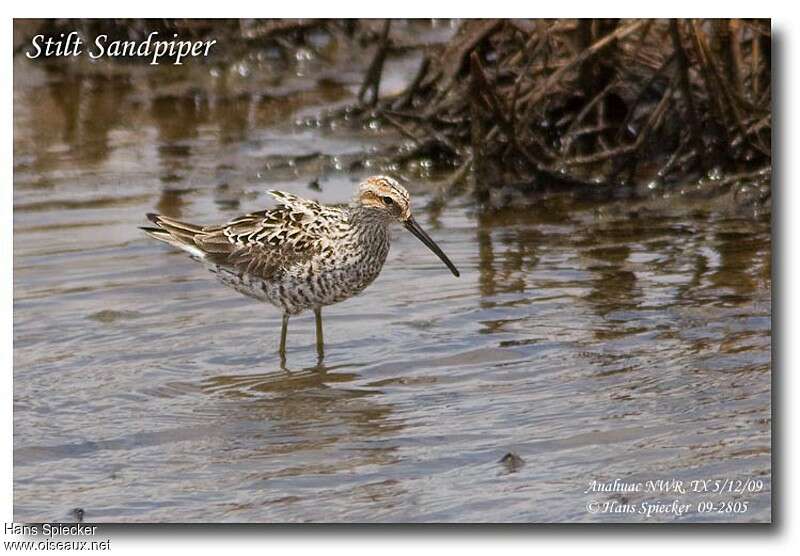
x,y
595,344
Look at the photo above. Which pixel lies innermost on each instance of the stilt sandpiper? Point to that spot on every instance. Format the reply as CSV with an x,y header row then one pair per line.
x,y
301,254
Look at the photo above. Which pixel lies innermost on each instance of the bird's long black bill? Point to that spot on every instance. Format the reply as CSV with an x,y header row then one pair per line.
x,y
412,226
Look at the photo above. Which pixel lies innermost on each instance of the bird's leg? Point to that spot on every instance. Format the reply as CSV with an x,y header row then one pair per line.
x,y
320,347
284,327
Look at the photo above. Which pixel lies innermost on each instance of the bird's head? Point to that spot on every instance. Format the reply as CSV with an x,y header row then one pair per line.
x,y
391,200
384,194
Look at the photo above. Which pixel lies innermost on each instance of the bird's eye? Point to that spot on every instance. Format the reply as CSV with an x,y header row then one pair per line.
x,y
388,201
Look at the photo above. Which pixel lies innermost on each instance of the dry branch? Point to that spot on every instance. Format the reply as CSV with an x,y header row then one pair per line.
x,y
593,103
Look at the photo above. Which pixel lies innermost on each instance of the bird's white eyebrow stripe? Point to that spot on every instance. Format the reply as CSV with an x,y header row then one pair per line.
x,y
392,185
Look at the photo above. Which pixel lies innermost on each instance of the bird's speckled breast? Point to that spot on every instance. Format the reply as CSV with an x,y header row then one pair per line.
x,y
328,280
334,275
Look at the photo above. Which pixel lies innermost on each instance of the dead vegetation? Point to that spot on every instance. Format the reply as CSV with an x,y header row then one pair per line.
x,y
590,104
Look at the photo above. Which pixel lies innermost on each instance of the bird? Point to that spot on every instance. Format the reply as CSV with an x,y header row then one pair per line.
x,y
301,254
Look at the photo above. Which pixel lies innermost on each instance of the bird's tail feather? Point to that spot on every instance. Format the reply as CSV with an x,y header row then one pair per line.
x,y
176,233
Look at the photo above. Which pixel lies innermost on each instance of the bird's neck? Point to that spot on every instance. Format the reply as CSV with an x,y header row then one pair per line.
x,y
370,232
367,219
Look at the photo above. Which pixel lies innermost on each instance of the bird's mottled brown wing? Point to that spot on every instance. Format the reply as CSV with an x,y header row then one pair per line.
x,y
266,242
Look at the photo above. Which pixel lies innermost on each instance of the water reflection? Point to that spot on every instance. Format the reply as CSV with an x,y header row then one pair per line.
x,y
744,262
613,260
91,106
253,385
507,250
309,409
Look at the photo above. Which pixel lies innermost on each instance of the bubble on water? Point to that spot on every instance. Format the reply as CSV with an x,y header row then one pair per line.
x,y
715,174
374,125
303,55
308,122
214,72
652,185
242,69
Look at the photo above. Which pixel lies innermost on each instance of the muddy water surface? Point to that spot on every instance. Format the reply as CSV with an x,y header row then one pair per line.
x,y
594,344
